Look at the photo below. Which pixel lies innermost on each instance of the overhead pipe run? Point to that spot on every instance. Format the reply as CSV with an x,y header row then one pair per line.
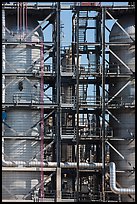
x,y
74,165
112,168
51,164
36,163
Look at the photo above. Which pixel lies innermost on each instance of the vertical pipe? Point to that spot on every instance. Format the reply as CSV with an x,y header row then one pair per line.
x,y
103,103
20,16
42,117
3,56
58,87
26,17
23,16
77,106
58,125
18,11
73,62
3,67
73,43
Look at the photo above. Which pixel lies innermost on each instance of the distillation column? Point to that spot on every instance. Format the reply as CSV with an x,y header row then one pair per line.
x,y
122,60
22,89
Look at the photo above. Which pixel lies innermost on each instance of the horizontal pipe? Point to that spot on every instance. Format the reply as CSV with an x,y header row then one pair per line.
x,y
74,165
112,168
34,163
51,164
12,163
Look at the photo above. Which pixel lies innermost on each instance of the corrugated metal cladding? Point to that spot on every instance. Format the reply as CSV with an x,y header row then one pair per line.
x,y
18,184
23,150
89,121
22,57
22,121
125,128
21,91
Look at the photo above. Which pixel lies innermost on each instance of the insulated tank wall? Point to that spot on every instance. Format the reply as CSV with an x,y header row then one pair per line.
x,y
124,127
22,60
19,184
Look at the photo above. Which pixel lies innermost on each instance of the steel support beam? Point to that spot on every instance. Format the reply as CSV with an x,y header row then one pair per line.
x,y
58,86
119,92
38,26
120,60
77,106
120,26
103,103
115,150
58,113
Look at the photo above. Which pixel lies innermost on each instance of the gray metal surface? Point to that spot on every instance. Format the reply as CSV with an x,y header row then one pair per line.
x,y
3,57
23,150
21,121
125,128
125,53
18,184
113,182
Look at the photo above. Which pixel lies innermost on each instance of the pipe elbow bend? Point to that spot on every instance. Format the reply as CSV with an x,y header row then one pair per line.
x,y
113,187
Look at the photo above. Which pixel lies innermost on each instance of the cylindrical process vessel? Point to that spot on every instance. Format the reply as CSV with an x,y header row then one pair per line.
x,y
20,150
124,126
126,53
22,90
3,58
19,184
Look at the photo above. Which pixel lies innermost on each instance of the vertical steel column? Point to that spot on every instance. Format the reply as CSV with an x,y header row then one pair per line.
x,y
58,87
58,141
26,17
98,51
42,117
103,103
20,26
77,105
73,41
23,16
18,16
73,61
3,57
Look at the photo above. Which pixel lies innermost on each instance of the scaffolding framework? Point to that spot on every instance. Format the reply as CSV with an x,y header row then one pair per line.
x,y
58,111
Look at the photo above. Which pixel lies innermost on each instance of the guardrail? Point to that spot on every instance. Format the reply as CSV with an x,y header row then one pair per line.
x,y
70,131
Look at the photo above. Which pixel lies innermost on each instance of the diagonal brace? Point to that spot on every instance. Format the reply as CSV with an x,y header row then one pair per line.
x,y
120,60
38,26
119,92
120,26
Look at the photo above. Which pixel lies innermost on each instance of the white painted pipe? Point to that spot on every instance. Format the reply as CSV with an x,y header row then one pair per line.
x,y
112,168
66,165
113,187
34,163
74,165
51,164
3,57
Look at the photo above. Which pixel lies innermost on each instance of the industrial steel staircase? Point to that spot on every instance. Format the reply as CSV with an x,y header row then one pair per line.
x,y
83,22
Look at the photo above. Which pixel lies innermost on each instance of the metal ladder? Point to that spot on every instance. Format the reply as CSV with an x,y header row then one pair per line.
x,y
83,91
83,21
